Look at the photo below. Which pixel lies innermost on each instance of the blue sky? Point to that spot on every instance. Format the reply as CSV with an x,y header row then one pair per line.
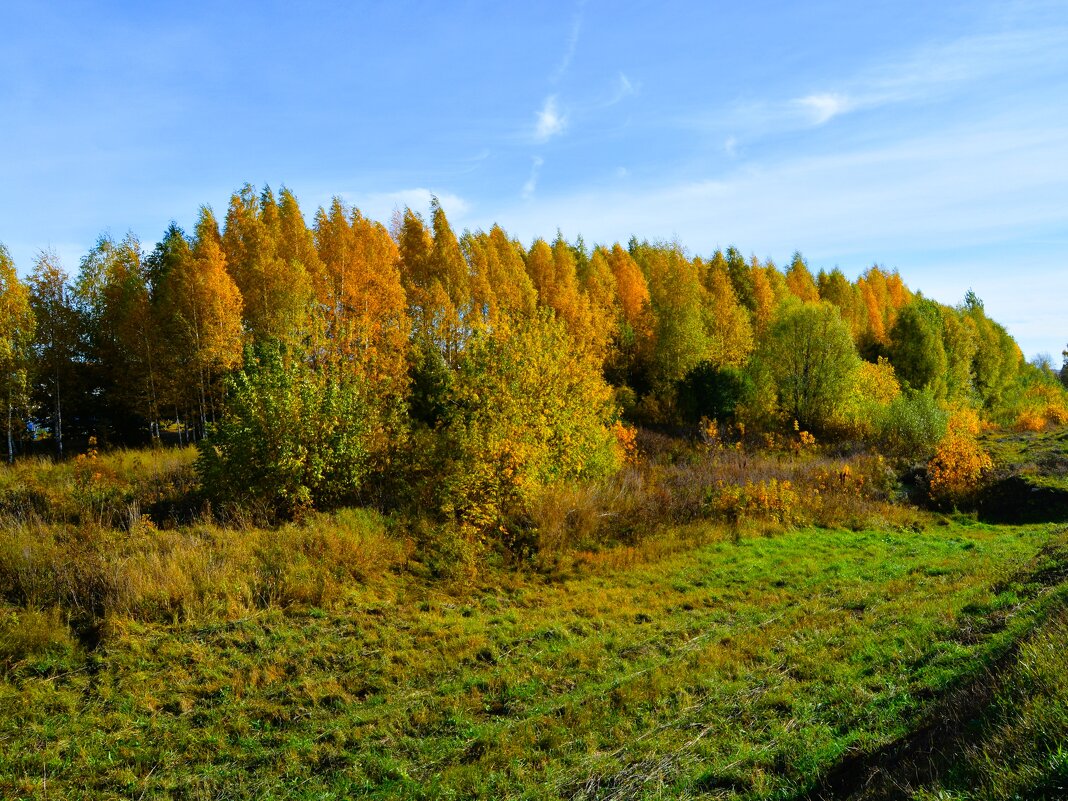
x,y
927,137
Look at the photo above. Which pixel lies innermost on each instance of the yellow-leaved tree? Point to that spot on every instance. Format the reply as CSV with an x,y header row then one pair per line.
x,y
435,277
274,281
730,334
527,409
203,308
554,273
16,342
800,281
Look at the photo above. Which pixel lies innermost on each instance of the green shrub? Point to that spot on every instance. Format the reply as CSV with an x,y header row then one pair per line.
x,y
912,425
293,435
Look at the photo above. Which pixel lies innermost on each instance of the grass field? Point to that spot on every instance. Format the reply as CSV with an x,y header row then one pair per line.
x,y
805,663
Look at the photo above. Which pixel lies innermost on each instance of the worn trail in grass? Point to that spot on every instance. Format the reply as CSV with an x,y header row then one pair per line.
x,y
733,669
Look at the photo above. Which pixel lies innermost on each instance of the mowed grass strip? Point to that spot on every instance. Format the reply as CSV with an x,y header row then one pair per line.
x,y
732,669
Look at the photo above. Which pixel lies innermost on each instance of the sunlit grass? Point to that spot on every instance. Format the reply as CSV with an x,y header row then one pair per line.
x,y
339,657
749,666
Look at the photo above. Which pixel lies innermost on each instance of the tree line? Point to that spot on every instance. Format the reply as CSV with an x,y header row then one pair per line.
x,y
311,360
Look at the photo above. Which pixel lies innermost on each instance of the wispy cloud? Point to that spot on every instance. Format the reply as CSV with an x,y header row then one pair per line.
x,y
973,191
624,88
821,108
532,182
947,189
926,74
550,121
572,46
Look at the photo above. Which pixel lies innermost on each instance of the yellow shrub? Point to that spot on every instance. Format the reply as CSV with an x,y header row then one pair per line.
x,y
1031,420
767,500
872,388
959,465
1041,406
627,440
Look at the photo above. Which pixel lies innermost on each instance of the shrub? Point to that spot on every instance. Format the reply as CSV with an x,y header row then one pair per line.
x,y
293,435
911,425
526,411
1042,405
956,471
873,387
771,500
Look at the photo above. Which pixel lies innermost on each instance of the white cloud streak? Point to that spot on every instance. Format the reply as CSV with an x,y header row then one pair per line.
x,y
926,74
624,89
957,189
572,46
822,108
532,182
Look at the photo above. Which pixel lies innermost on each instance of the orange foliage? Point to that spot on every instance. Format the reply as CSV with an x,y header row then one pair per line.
x,y
627,439
361,294
959,465
632,289
1043,405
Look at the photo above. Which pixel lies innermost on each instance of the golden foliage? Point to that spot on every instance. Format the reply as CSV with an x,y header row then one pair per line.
x,y
730,334
960,463
800,282
1042,405
527,411
772,500
872,388
627,440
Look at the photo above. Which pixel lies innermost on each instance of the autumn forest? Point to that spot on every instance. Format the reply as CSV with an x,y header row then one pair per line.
x,y
314,360
384,511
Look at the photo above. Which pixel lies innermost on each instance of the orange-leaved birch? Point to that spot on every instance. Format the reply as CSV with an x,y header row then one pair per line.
x,y
362,296
800,281
554,273
434,275
205,308
599,288
276,292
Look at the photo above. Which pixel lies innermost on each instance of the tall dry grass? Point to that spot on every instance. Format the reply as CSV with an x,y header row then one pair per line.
x,y
679,483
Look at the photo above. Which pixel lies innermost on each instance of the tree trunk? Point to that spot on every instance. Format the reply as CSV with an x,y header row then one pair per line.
x,y
58,433
10,432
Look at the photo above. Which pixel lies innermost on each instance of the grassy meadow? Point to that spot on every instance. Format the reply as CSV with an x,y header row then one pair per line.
x,y
799,632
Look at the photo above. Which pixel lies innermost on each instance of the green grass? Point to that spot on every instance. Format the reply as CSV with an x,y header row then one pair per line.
x,y
727,669
149,650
